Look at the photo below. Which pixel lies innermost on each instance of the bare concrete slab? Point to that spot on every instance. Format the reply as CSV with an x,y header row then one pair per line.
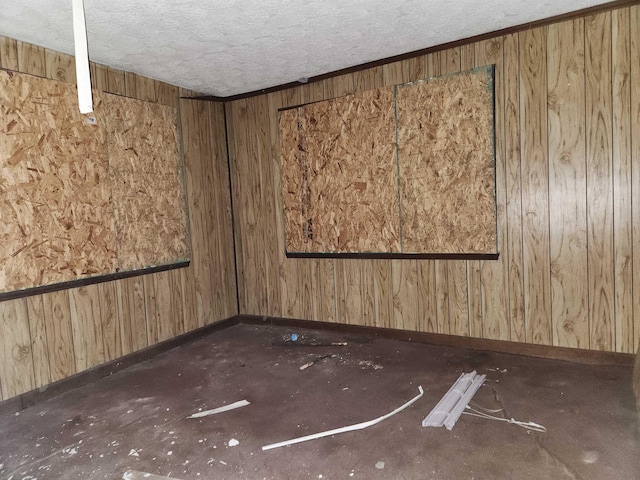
x,y
136,420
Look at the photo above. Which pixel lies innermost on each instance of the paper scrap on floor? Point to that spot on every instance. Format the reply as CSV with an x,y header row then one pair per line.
x,y
224,408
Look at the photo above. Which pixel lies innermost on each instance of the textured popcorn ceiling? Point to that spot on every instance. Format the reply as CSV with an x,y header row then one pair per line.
x,y
236,46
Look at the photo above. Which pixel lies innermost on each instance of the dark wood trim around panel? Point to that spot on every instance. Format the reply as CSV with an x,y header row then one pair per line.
x,y
83,282
416,53
398,256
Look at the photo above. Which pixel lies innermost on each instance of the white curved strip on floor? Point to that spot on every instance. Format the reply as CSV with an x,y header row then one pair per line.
x,y
350,428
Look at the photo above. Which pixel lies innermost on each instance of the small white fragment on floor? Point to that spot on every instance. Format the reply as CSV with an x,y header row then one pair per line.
x,y
169,452
233,442
380,465
223,463
224,408
133,475
369,364
590,457
497,370
134,453
70,451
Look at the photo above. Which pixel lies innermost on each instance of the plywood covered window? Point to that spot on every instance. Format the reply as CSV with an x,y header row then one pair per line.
x,y
398,171
81,199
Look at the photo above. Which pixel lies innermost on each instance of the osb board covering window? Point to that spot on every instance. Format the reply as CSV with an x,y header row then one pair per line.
x,y
80,200
398,170
447,164
339,175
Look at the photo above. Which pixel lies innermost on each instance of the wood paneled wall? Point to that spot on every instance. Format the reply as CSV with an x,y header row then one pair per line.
x,y
48,337
568,194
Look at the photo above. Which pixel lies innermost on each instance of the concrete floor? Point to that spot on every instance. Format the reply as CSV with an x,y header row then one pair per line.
x,y
136,420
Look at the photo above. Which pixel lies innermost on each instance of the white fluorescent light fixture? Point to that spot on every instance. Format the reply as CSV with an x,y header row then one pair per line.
x,y
83,77
450,407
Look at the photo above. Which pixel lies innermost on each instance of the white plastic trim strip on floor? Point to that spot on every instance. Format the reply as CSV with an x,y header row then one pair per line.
x,y
350,428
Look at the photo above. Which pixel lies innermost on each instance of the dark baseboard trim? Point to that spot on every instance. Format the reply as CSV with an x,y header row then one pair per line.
x,y
576,355
39,395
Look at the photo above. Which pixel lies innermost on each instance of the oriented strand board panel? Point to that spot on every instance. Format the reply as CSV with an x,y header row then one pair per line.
x,y
80,200
404,170
446,162
56,217
146,179
339,179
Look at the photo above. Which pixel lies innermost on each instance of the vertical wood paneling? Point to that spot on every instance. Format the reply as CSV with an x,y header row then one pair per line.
x,y
567,185
348,276
193,114
16,359
535,194
86,326
247,198
223,264
107,294
31,59
39,344
60,344
59,66
8,53
255,256
634,26
131,314
151,309
260,126
418,68
167,305
599,180
622,179
494,274
107,79
511,133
